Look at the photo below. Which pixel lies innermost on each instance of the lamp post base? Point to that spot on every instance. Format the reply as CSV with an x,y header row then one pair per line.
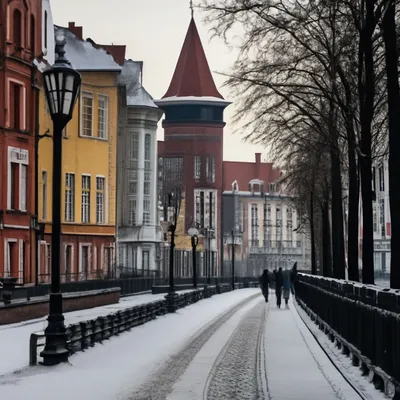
x,y
55,350
172,298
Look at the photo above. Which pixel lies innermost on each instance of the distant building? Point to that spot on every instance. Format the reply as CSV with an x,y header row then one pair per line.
x,y
139,234
89,167
20,48
381,218
191,154
260,221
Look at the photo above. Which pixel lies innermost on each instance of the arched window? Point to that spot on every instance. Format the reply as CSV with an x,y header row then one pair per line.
x,y
17,28
33,37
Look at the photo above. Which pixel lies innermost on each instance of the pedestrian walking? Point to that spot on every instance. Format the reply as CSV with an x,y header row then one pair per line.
x,y
286,284
264,284
278,287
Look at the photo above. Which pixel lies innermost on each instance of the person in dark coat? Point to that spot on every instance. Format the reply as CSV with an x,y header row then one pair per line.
x,y
278,287
264,283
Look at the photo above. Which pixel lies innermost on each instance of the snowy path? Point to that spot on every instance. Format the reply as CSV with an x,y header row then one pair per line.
x,y
14,338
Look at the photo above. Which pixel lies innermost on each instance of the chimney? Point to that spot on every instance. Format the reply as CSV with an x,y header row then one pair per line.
x,y
76,30
258,165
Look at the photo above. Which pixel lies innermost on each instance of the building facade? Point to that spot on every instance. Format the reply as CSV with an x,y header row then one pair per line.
x,y
259,221
20,46
190,157
139,235
89,168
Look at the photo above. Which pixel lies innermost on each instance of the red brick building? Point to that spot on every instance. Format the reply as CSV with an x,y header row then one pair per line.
x,y
193,139
20,44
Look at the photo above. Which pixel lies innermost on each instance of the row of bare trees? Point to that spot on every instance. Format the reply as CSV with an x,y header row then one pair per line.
x,y
317,82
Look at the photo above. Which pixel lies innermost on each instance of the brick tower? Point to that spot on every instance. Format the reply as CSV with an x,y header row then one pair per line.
x,y
193,145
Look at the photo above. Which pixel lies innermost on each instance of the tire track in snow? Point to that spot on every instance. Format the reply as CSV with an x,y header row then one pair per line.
x,y
237,373
160,383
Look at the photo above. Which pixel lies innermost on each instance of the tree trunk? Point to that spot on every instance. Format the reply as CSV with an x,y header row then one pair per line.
x,y
391,56
326,241
338,256
352,223
367,93
312,231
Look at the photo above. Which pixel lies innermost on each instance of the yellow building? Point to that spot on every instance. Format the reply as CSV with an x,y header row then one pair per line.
x,y
89,168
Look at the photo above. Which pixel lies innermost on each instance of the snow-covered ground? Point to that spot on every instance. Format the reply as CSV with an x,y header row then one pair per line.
x,y
111,371
230,347
14,338
342,362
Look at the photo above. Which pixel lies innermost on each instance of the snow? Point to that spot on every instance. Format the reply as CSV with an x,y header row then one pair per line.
x,y
84,56
193,100
352,373
136,94
122,363
295,360
16,356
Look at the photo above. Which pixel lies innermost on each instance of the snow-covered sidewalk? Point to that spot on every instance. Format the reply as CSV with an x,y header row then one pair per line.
x,y
112,371
296,366
14,338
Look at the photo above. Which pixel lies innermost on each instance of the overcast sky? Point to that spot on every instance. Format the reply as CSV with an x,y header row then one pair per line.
x,y
153,31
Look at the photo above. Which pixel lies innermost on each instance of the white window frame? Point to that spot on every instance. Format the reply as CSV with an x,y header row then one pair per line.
x,y
197,168
102,97
11,81
89,95
71,206
66,245
85,194
103,219
21,157
7,264
197,207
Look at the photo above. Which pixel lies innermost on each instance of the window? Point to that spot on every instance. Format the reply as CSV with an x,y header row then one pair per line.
x,y
17,29
206,113
69,197
202,209
44,195
290,232
14,186
382,216
147,180
87,114
374,179
375,219
33,37
210,169
85,217
145,262
197,168
45,29
254,225
102,117
85,261
15,106
381,172
131,176
100,191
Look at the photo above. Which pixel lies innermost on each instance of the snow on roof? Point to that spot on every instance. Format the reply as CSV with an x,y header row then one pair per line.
x,y
209,100
136,94
83,55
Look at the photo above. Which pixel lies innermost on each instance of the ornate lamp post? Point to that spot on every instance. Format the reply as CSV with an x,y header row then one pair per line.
x,y
233,259
62,85
193,232
172,295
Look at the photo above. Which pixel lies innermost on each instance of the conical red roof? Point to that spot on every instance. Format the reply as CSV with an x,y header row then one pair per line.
x,y
192,76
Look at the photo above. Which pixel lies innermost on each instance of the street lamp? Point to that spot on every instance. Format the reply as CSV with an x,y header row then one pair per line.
x,y
193,232
233,259
171,297
61,85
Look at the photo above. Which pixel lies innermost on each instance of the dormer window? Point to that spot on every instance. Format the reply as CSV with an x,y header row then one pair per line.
x,y
256,185
235,186
17,29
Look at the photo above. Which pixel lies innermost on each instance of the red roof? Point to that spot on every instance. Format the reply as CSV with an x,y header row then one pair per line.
x,y
117,51
192,76
244,172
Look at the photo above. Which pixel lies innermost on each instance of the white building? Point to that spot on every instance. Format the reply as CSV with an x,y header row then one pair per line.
x,y
139,234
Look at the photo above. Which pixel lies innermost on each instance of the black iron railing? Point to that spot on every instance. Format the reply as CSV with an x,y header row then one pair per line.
x,y
363,320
